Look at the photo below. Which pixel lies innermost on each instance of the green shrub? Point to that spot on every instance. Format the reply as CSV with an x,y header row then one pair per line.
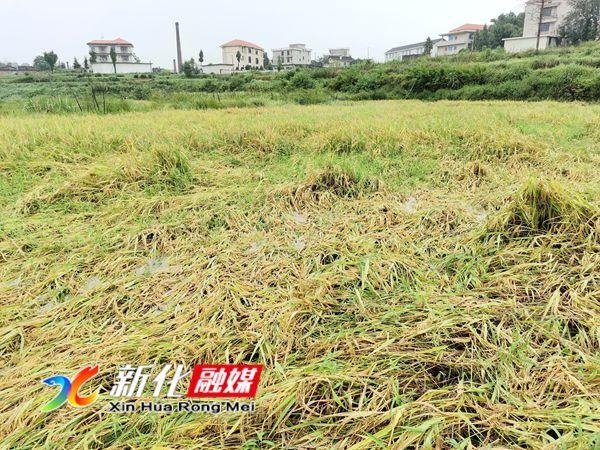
x,y
310,97
302,80
428,77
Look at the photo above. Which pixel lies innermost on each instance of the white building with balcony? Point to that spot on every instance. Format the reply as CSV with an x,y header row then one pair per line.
x,y
296,55
454,41
545,17
126,61
251,55
338,57
411,51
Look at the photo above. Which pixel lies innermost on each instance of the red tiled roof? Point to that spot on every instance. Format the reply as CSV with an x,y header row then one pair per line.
x,y
468,27
117,41
240,43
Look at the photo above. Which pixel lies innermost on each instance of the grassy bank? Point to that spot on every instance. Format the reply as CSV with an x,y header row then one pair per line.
x,y
411,274
565,74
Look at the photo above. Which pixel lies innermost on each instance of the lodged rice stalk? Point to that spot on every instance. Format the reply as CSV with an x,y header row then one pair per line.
x,y
412,275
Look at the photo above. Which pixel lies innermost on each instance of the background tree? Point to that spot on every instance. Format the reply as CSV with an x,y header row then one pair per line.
x,y
51,58
483,39
582,23
201,57
266,61
86,64
189,68
40,64
504,26
238,56
76,65
93,57
113,58
428,46
279,64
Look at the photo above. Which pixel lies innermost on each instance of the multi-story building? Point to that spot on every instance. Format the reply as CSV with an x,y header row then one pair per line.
x,y
408,51
8,69
338,57
543,19
126,61
251,55
296,55
454,41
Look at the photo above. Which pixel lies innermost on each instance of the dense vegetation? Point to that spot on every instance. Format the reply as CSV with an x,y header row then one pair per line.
x,y
560,74
412,275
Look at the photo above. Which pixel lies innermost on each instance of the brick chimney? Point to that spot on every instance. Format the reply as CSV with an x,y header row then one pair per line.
x,y
179,57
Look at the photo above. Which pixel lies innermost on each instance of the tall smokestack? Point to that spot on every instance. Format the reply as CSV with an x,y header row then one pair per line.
x,y
179,58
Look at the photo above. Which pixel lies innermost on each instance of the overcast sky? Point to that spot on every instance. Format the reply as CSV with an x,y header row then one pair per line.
x,y
30,27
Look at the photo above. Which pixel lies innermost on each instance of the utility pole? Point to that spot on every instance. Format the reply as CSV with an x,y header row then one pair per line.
x,y
539,30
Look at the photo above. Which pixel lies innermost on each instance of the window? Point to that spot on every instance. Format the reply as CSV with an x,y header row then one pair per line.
x,y
256,60
544,27
250,59
124,49
125,57
548,12
451,48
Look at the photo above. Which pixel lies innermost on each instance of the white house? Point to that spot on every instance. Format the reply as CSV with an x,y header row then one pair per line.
x,y
218,69
338,57
251,55
547,20
296,55
408,51
454,41
8,69
126,61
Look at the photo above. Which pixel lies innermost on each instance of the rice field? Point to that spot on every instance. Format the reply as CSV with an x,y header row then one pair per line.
x,y
411,274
